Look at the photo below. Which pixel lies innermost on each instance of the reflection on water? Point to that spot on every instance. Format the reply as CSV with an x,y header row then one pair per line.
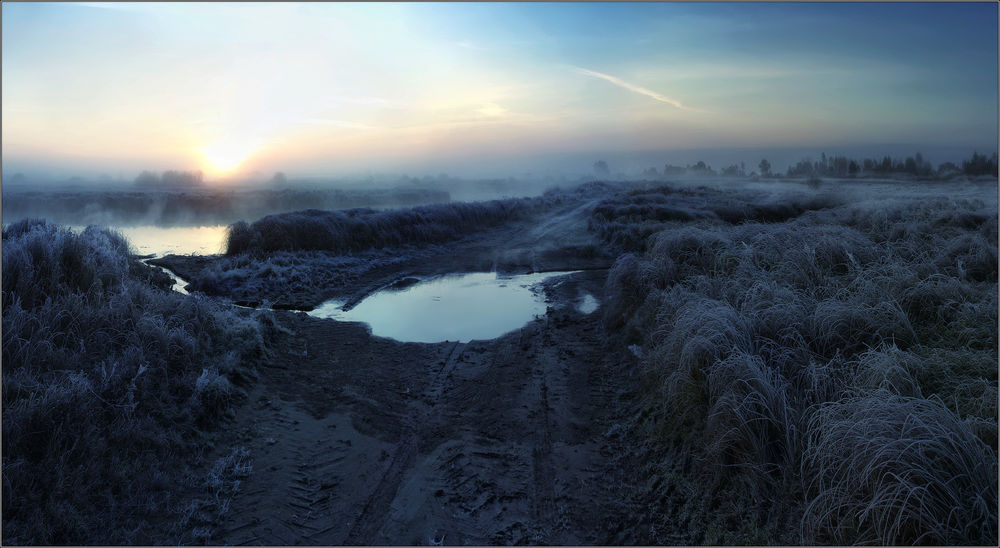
x,y
181,240
459,307
588,304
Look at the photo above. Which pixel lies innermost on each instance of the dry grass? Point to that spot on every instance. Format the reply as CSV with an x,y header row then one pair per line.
x,y
107,380
836,370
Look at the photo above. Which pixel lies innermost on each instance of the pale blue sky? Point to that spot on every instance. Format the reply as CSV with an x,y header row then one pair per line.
x,y
234,87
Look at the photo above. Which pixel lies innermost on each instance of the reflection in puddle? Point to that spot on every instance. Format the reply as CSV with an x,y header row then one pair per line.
x,y
587,304
459,307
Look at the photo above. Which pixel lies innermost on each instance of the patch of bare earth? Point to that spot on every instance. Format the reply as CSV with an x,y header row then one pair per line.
x,y
363,440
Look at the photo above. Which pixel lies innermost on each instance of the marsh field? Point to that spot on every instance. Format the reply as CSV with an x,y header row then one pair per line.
x,y
693,361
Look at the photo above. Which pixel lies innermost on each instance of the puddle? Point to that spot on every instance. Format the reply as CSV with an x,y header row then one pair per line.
x,y
460,307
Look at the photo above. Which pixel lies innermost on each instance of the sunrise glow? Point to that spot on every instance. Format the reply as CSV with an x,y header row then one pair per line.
x,y
345,87
224,157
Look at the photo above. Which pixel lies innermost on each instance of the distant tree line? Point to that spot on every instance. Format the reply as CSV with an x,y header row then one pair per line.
x,y
699,168
841,166
916,165
171,179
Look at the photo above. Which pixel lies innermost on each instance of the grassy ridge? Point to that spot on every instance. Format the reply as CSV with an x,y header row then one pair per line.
x,y
626,221
361,229
835,372
107,379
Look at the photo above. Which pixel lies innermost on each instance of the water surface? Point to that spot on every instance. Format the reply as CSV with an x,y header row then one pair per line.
x,y
179,240
588,304
458,307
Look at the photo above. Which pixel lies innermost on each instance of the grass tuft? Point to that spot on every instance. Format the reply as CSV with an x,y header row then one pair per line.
x,y
107,380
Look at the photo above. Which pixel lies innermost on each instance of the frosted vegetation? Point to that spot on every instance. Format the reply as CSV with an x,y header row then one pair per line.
x,y
361,229
108,379
817,363
322,249
836,372
192,206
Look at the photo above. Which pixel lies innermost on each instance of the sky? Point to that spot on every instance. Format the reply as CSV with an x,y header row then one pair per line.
x,y
318,88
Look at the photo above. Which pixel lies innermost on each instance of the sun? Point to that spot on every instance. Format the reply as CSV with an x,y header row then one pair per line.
x,y
224,157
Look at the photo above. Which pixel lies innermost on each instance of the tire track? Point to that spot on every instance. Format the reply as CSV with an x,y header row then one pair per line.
x,y
377,507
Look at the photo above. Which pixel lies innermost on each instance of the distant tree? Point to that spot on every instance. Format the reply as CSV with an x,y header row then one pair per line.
x,y
279,179
170,178
701,168
731,171
651,172
947,168
601,168
765,168
853,168
743,170
673,170
181,178
804,168
18,178
924,167
147,178
980,165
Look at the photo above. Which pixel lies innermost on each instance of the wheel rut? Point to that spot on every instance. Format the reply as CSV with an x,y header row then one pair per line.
x,y
357,440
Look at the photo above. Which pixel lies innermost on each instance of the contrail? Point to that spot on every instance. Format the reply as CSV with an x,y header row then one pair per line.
x,y
632,87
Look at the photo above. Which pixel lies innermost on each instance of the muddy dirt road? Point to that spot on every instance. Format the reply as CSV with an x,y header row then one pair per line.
x,y
356,439
362,440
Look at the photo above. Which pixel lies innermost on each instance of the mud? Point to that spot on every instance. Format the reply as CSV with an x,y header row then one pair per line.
x,y
362,440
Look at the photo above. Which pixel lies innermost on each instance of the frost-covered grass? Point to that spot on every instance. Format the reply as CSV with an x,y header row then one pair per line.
x,y
628,219
294,259
108,378
196,206
279,276
362,229
835,371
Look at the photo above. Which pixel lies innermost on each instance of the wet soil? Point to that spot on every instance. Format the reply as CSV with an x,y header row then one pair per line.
x,y
363,440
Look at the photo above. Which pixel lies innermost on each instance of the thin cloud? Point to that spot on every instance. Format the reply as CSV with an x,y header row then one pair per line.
x,y
492,110
637,89
336,123
338,100
106,5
